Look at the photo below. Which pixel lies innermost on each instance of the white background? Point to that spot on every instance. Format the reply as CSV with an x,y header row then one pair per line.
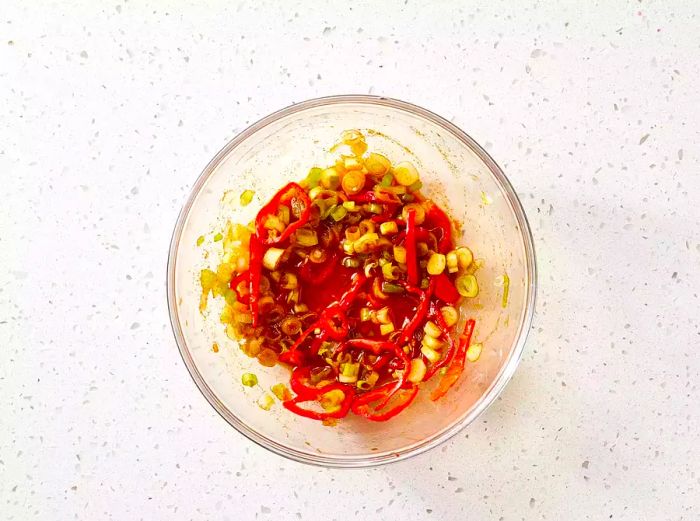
x,y
109,111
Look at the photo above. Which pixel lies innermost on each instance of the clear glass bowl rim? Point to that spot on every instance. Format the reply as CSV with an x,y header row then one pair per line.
x,y
506,372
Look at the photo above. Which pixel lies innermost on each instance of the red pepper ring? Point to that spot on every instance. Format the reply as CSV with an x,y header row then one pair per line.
x,y
456,368
292,355
290,192
334,323
237,279
349,396
298,383
361,406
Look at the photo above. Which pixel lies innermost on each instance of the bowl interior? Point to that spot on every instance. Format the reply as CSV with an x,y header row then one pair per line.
x,y
456,174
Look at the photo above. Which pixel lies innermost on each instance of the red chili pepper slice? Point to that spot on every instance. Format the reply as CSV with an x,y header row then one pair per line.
x,y
296,196
346,300
444,288
298,383
362,404
380,362
334,323
292,355
456,368
421,311
349,396
436,316
422,235
410,245
255,271
237,279
437,218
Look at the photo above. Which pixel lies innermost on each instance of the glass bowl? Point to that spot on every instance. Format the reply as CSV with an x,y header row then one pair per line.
x,y
457,173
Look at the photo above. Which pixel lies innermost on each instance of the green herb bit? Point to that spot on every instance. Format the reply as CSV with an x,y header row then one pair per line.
x,y
247,197
249,380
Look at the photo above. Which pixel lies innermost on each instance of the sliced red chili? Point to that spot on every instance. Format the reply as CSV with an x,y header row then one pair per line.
x,y
299,383
334,323
362,406
434,216
456,368
237,279
292,355
421,311
342,411
410,245
444,288
298,199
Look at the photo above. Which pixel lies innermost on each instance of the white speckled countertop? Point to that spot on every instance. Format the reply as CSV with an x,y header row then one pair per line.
x,y
110,110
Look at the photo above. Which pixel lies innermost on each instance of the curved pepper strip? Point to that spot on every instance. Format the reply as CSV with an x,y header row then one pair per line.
x,y
346,300
439,219
407,333
410,245
349,395
255,272
380,362
436,316
235,281
287,193
456,368
378,347
361,406
333,321
300,376
422,235
292,355
421,311
446,359
401,381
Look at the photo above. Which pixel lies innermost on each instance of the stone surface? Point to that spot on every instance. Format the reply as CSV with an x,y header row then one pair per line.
x,y
110,110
